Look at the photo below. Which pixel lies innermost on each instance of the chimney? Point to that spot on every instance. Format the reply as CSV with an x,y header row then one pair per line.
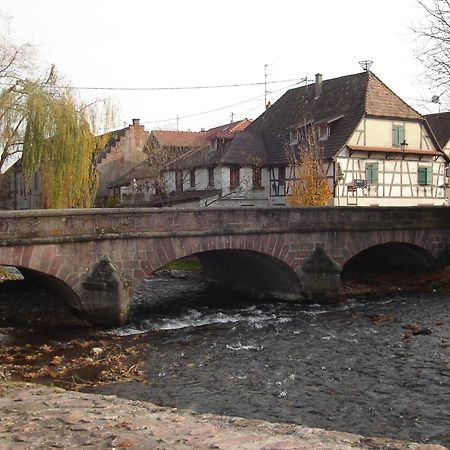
x,y
137,130
318,85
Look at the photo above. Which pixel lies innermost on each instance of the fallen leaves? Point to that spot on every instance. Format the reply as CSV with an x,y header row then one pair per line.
x,y
78,363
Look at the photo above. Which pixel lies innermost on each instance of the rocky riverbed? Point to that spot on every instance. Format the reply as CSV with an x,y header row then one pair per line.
x,y
33,417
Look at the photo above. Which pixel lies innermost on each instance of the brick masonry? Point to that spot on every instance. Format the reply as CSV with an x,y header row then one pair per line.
x,y
67,244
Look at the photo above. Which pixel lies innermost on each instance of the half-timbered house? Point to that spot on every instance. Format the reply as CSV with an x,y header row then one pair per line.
x,y
378,150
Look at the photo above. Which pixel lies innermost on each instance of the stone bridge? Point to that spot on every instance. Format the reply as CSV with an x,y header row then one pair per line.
x,y
96,258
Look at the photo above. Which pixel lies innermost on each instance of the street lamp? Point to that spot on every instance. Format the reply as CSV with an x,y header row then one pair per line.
x,y
404,146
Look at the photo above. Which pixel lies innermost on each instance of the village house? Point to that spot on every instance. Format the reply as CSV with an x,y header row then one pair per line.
x,y
124,151
13,194
180,167
377,150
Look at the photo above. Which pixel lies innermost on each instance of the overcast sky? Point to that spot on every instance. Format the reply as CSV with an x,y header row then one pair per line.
x,y
175,43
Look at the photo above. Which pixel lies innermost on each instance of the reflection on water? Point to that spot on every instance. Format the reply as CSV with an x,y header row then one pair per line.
x,y
349,367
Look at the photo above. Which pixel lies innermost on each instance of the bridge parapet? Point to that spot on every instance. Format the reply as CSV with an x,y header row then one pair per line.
x,y
53,226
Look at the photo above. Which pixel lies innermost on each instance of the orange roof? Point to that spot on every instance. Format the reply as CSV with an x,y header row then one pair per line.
x,y
180,138
381,101
408,151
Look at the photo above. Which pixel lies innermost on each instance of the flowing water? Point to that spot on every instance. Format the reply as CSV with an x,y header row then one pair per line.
x,y
352,366
349,367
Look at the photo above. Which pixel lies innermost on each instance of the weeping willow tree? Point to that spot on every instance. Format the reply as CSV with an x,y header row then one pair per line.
x,y
309,185
52,131
59,142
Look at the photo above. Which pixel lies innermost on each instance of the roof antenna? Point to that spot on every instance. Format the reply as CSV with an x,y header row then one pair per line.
x,y
366,65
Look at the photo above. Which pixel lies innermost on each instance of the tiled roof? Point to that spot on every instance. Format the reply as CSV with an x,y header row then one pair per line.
x,y
141,171
344,101
180,138
205,156
246,148
199,138
440,124
382,102
228,130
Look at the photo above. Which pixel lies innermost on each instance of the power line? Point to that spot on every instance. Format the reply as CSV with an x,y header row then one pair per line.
x,y
188,116
179,88
177,118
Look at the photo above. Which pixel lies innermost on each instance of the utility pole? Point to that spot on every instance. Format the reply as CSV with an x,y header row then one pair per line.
x,y
232,117
265,85
177,122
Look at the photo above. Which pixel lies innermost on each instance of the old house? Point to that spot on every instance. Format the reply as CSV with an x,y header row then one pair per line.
x,y
123,152
378,151
180,167
13,193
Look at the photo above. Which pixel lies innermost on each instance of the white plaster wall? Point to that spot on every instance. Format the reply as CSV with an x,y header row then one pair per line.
x,y
201,179
378,133
169,181
397,182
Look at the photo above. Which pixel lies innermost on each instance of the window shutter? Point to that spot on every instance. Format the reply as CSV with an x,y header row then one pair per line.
x,y
421,176
401,135
429,176
395,136
372,173
398,135
425,176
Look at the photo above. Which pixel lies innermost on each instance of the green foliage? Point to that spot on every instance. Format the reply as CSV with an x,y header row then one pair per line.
x,y
53,132
184,264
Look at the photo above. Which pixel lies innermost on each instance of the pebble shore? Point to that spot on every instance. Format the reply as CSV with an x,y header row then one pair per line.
x,y
39,417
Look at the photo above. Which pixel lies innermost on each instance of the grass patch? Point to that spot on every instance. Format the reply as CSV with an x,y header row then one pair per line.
x,y
9,273
189,264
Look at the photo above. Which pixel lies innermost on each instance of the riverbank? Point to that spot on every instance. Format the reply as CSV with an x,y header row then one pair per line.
x,y
38,417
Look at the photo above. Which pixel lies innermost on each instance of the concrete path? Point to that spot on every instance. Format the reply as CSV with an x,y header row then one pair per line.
x,y
33,417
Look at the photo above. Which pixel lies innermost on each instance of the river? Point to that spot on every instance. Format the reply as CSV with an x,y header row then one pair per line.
x,y
374,366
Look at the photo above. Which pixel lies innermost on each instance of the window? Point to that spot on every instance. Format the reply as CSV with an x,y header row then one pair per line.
x,y
372,173
234,177
324,132
192,178
398,135
256,177
211,176
281,176
424,176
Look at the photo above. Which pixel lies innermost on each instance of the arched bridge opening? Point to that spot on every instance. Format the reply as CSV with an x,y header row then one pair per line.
x,y
37,297
258,274
391,263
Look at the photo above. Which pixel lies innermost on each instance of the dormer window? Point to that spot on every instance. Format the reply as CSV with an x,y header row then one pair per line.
x,y
293,137
324,132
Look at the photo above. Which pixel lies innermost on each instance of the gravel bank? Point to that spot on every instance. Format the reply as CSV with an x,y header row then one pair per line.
x,y
37,417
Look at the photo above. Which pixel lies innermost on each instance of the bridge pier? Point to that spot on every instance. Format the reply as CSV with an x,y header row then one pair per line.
x,y
106,295
321,277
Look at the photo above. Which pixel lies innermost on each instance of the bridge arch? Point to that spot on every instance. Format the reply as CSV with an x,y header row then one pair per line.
x,y
391,256
40,280
259,274
248,263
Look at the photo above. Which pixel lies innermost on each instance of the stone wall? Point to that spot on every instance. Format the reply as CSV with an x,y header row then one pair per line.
x,y
69,244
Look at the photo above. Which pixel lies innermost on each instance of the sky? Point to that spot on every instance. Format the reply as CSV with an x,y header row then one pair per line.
x,y
179,43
